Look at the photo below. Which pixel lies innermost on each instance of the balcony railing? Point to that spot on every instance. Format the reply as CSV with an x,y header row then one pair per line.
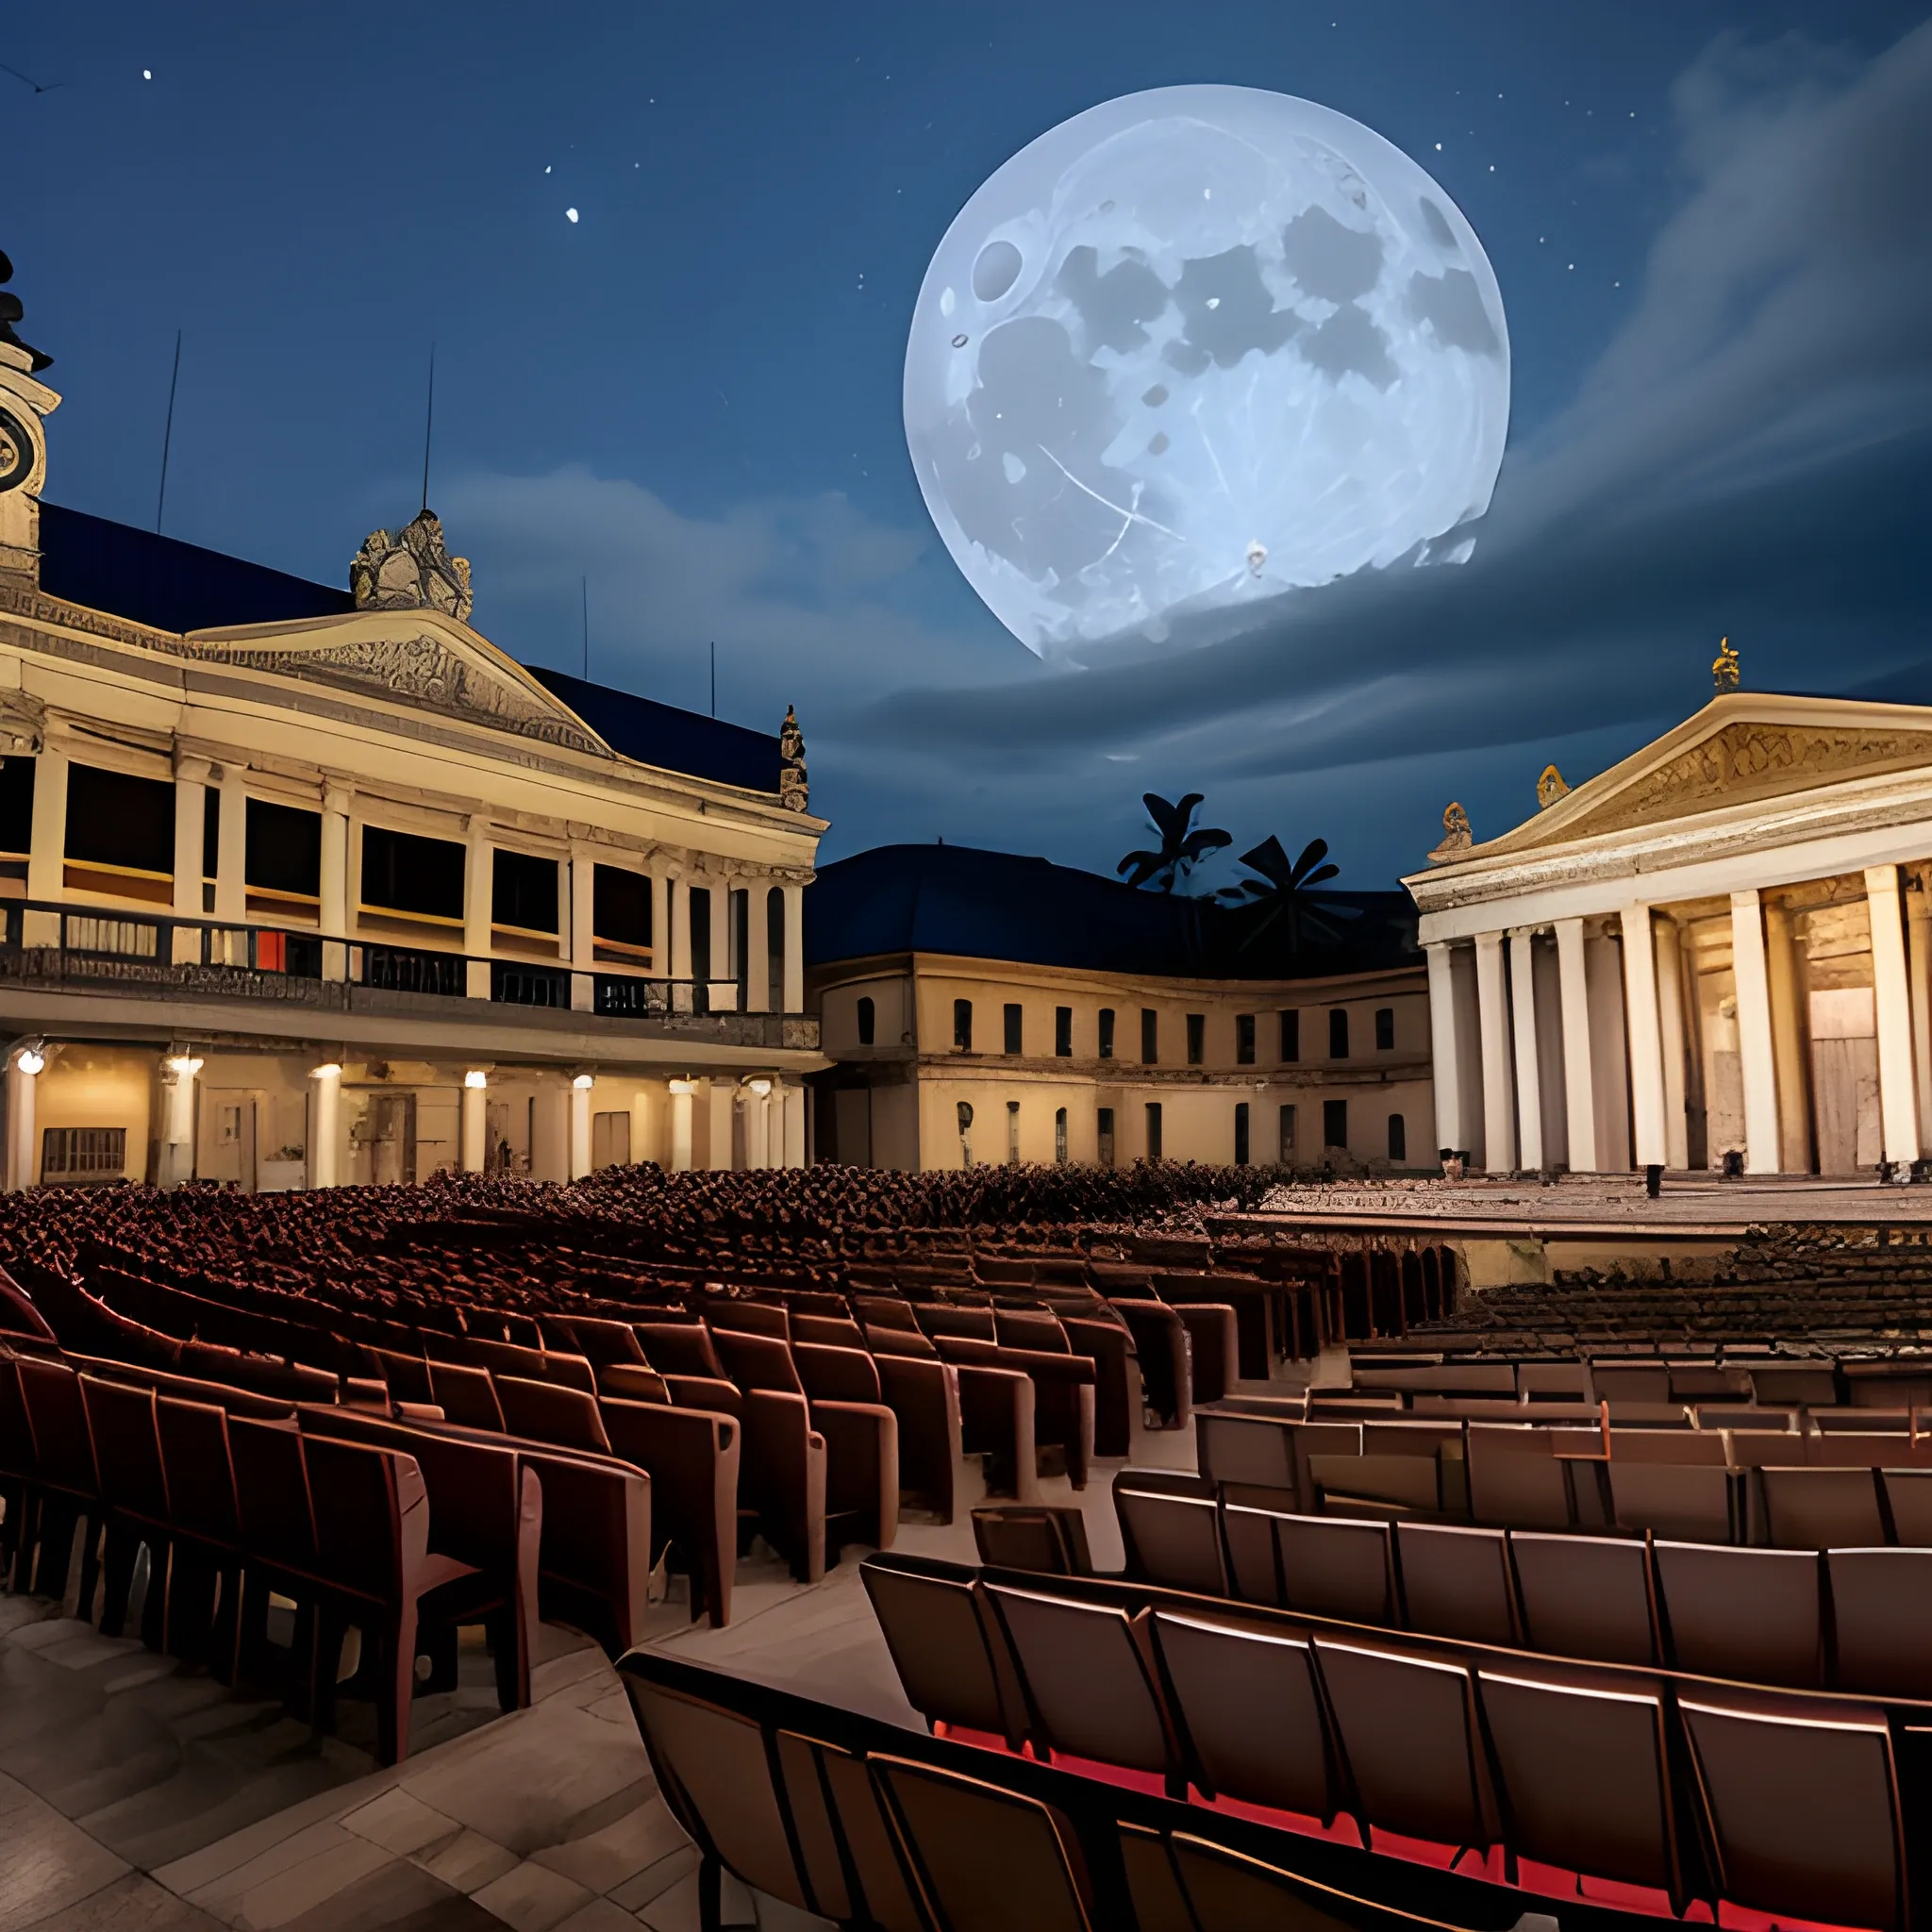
x,y
110,950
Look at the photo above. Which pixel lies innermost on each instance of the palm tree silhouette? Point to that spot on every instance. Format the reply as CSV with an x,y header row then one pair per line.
x,y
1283,891
1183,846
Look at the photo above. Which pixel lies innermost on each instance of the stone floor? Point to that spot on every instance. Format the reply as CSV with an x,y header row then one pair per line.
x,y
136,1797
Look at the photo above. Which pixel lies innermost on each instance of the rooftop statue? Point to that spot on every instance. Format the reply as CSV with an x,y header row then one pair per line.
x,y
793,793
1550,787
1724,669
1456,836
412,570
10,312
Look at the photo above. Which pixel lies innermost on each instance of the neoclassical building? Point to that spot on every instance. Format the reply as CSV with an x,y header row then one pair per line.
x,y
301,884
1723,945
984,1007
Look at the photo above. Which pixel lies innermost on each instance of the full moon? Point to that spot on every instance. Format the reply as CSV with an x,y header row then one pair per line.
x,y
1193,348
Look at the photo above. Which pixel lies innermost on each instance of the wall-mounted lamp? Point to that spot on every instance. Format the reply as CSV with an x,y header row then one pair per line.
x,y
476,1079
30,1060
685,1087
183,1064
760,1088
329,1070
584,1082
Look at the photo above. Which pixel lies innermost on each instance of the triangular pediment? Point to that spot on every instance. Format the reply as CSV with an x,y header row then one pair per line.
x,y
1742,749
420,658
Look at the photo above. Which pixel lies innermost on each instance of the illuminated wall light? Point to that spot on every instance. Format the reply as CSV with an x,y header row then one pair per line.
x,y
476,1079
31,1061
329,1070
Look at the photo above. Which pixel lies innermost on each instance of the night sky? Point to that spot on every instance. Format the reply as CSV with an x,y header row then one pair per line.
x,y
1710,223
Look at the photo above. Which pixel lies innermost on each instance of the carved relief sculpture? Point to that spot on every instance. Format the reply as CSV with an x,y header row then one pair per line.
x,y
412,570
793,793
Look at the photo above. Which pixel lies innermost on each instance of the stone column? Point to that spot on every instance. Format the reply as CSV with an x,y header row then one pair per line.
x,y
724,989
1579,1084
660,927
758,943
580,1125
334,893
1898,1103
46,864
678,1153
1492,1009
1670,1014
724,1107
581,877
324,1124
792,1099
1757,1061
475,1121
1919,973
1644,1047
478,888
757,1118
23,1072
231,860
1529,1091
677,904
191,791
794,950
175,1157
1445,1069
1789,1034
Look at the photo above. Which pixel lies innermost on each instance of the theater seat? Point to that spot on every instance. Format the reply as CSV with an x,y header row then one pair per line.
x,y
1748,1614
1334,1567
1023,1536
1823,1508
947,1648
1171,1526
1456,1581
1585,1597
1881,1635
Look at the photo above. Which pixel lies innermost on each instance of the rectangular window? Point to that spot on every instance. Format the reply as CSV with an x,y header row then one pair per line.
x,y
1059,1136
123,824
1150,1037
1291,1036
1398,1137
1286,1154
1153,1130
17,808
1102,1120
1014,1025
523,892
1197,1039
621,907
1384,1030
774,945
80,1154
1063,1032
962,1026
1106,1033
284,849
1240,1133
1245,1040
211,832
1338,1033
867,1019
1335,1124
403,872
698,912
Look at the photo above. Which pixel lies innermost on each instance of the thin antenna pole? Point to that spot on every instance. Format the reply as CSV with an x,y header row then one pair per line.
x,y
586,584
714,677
428,425
168,435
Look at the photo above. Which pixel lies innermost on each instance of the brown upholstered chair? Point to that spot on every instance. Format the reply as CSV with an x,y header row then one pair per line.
x,y
1515,1478
1062,1394
1881,1636
946,1646
1456,1581
925,1395
1163,1350
996,1421
1171,1526
1334,1566
134,1493
1031,1536
1584,1596
465,1395
1823,1508
1743,1613
1116,1390
1256,1451
66,1484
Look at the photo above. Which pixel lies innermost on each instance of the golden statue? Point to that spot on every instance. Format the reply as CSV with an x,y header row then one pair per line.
x,y
1724,670
1550,787
1456,836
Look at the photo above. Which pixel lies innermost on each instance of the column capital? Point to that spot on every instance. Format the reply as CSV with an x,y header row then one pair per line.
x,y
1745,900
337,795
193,770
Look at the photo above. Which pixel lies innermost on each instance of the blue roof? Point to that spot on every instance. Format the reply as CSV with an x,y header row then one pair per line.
x,y
166,584
1003,905
673,739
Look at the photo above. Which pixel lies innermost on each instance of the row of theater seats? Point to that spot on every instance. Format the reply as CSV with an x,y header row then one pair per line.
x,y
234,1505
1650,1790
871,1826
1779,1489
1849,1617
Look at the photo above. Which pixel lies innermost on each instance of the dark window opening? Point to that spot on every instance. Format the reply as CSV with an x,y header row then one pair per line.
x,y
284,849
1197,1039
1240,1133
121,821
698,910
1335,1124
1338,1033
867,1020
17,807
1150,1037
402,873
79,1154
1059,1136
1287,1127
1106,1033
1245,1040
1398,1137
620,907
774,945
1153,1130
523,891
962,1026
211,831
1384,1030
1014,1028
1291,1036
737,943
1063,1032
1104,1122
